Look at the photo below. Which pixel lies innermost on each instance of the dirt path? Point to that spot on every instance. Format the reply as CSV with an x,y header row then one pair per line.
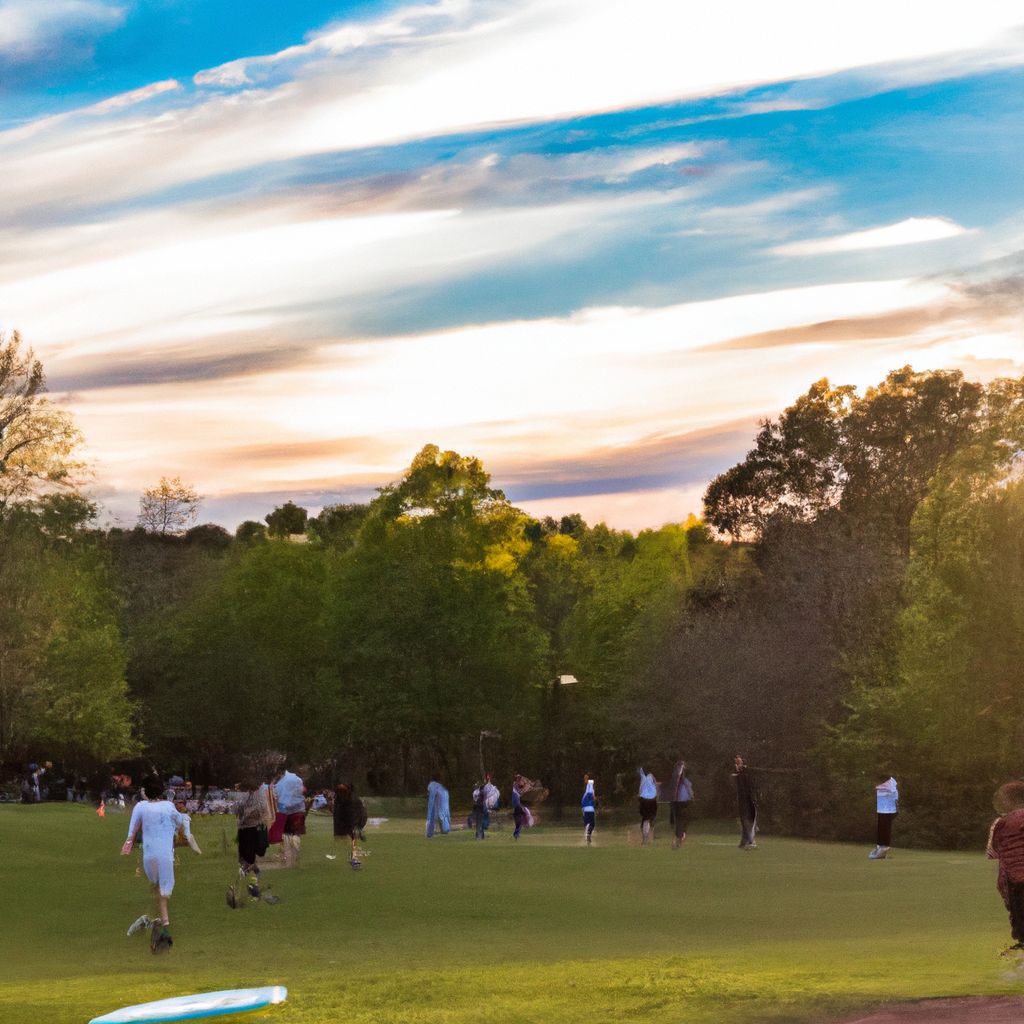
x,y
972,1010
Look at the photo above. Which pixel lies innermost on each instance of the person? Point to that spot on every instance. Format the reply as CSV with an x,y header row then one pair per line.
x,y
1006,844
518,811
291,813
159,821
648,805
589,804
746,802
886,800
682,798
485,798
438,808
349,818
32,792
319,801
255,812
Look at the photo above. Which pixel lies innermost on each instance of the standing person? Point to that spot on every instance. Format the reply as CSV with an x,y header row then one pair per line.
x,y
886,799
349,818
648,805
34,791
438,809
1006,842
291,804
746,801
485,798
682,798
589,804
518,813
159,821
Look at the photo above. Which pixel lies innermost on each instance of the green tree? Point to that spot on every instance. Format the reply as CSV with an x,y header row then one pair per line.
x,y
286,520
38,441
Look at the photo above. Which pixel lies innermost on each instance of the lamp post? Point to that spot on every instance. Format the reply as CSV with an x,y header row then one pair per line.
x,y
558,735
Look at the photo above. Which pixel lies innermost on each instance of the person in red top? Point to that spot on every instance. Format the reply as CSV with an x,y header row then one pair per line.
x,y
1006,843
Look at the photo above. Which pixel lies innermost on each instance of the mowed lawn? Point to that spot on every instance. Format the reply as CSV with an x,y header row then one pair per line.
x,y
453,930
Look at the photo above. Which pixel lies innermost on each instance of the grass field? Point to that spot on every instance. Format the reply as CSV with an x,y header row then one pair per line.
x,y
454,930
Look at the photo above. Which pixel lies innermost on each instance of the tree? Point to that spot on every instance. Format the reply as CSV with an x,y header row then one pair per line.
x,y
286,520
250,532
872,457
169,507
37,440
338,525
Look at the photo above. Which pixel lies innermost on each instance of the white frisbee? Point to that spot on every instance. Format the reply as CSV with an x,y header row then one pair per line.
x,y
205,1004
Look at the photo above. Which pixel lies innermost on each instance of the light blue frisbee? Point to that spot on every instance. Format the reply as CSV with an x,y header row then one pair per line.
x,y
205,1004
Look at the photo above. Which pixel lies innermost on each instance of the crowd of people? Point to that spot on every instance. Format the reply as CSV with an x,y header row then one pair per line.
x,y
271,807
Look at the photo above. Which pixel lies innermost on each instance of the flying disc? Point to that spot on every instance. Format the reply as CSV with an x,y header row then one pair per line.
x,y
204,1004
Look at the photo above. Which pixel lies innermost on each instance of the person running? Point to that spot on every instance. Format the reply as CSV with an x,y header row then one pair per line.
x,y
438,809
648,800
256,813
589,805
682,798
746,802
886,800
349,818
290,794
1006,844
159,821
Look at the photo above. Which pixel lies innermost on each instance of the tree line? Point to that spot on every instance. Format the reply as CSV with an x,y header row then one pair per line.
x,y
849,606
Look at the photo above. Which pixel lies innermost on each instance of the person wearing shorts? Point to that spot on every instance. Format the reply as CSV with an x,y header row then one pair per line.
x,y
159,821
648,805
291,813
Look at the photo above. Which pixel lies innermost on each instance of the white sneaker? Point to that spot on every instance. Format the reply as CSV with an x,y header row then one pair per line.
x,y
137,925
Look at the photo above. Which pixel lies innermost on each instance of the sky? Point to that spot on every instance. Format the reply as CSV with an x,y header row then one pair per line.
x,y
275,249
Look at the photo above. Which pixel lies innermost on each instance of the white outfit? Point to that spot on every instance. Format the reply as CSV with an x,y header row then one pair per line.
x,y
887,796
160,821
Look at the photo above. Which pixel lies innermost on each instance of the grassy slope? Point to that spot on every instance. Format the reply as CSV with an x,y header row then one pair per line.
x,y
452,930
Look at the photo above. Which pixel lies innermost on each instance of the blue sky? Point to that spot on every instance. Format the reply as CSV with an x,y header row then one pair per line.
x,y
276,248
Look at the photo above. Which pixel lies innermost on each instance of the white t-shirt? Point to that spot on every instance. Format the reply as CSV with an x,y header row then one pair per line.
x,y
160,820
887,796
288,790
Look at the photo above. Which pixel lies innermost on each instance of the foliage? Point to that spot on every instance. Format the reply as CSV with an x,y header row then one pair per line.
x,y
286,519
38,441
169,507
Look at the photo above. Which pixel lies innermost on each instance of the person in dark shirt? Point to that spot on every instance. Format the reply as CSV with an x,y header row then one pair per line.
x,y
349,818
746,802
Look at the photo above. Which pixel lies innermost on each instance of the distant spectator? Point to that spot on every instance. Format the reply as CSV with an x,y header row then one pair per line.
x,y
746,803
438,810
886,801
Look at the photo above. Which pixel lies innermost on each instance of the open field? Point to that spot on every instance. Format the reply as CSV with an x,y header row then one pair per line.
x,y
453,930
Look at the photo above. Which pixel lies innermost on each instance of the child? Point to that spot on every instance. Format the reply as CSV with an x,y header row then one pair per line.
x,y
1006,842
159,821
682,798
589,805
648,800
256,812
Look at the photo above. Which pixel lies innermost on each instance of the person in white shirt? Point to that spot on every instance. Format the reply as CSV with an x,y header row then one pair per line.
x,y
159,821
886,801
291,804
648,805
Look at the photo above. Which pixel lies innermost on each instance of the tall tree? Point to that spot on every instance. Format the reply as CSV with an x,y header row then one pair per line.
x,y
38,441
169,507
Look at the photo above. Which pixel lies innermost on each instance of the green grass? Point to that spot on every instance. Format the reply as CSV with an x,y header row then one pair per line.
x,y
453,930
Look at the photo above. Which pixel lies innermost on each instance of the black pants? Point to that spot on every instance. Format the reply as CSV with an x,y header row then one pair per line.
x,y
1015,905
884,835
680,816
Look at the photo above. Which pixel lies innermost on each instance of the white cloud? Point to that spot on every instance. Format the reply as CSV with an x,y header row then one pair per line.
x,y
460,66
29,27
906,232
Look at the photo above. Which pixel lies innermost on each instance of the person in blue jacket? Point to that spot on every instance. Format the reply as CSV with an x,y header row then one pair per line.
x,y
438,807
589,805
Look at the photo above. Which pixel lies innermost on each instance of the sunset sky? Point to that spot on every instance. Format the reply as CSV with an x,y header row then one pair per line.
x,y
276,248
